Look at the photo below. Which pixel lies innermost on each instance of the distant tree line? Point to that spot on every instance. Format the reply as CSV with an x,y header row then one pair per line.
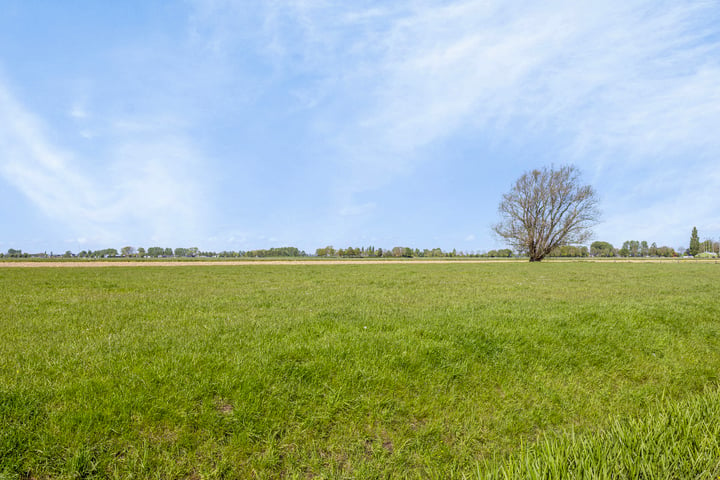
x,y
161,252
630,248
329,252
570,251
108,252
274,252
641,248
262,253
705,248
403,252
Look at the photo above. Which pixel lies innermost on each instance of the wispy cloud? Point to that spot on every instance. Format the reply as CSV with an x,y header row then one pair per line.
x,y
141,189
622,77
41,171
78,112
616,75
621,88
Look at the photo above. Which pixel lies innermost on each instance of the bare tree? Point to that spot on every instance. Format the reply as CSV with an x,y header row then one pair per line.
x,y
545,209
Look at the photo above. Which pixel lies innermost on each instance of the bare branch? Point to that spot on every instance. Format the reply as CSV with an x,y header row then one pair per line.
x,y
546,209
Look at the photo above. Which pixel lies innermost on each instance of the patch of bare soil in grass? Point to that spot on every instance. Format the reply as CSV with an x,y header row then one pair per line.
x,y
223,406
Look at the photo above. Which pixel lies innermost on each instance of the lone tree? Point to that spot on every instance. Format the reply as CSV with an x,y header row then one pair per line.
x,y
546,209
694,242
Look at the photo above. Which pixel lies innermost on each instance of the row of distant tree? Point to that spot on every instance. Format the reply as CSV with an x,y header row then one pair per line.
x,y
630,248
402,252
160,252
641,248
329,251
105,253
699,248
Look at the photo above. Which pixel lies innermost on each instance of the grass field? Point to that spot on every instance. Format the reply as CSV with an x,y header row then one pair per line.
x,y
582,370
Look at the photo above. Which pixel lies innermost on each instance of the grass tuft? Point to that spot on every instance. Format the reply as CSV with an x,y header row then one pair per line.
x,y
675,439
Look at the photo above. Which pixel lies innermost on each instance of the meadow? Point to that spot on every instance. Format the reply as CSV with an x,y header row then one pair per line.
x,y
398,370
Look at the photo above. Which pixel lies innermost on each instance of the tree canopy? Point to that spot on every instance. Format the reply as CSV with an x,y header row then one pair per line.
x,y
602,249
694,242
547,209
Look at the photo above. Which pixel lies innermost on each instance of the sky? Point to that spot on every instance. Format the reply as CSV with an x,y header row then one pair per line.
x,y
238,125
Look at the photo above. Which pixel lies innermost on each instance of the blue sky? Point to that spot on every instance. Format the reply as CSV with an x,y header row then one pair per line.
x,y
253,124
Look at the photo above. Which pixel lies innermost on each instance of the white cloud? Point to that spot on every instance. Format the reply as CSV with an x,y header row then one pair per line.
x,y
140,189
620,77
439,65
616,87
78,112
42,172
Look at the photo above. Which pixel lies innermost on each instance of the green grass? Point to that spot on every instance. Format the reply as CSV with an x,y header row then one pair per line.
x,y
674,440
354,371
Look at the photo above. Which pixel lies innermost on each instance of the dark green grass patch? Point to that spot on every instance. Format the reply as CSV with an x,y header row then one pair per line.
x,y
337,371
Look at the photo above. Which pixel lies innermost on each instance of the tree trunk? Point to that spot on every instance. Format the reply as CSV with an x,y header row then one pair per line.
x,y
534,253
